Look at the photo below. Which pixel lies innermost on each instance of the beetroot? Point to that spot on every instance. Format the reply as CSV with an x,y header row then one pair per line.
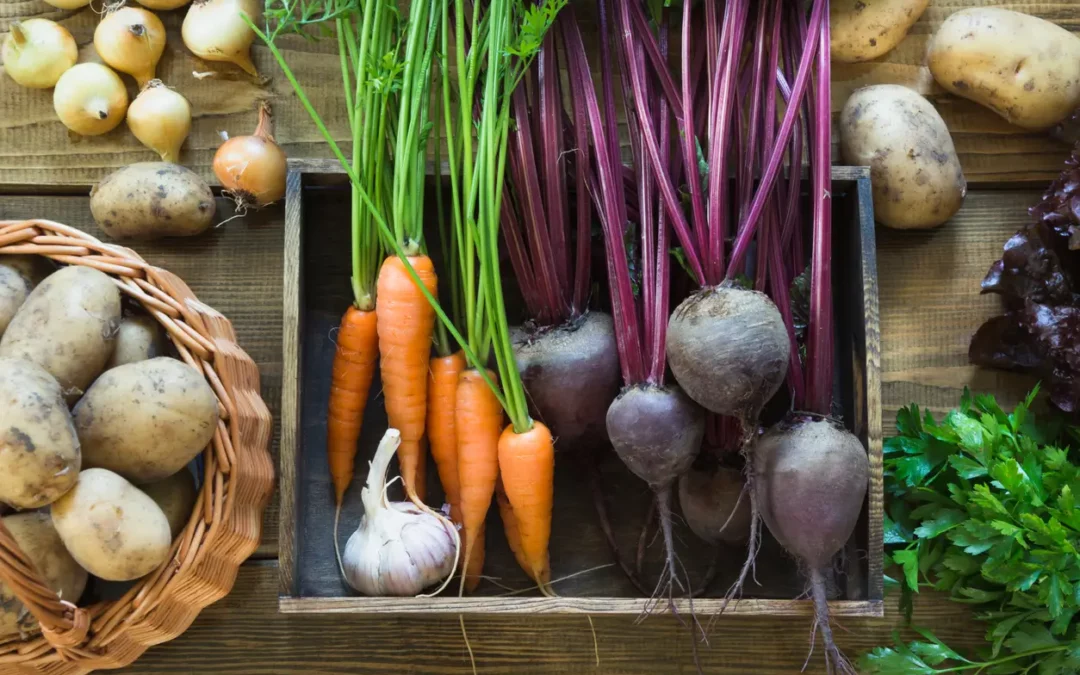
x,y
657,432
729,350
715,504
810,480
571,375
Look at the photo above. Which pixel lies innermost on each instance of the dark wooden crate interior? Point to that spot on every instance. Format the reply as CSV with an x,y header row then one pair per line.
x,y
578,546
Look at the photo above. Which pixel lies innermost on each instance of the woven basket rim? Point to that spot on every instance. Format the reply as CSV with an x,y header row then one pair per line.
x,y
226,525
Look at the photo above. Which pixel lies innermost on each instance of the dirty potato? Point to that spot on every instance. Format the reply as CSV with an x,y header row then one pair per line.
x,y
111,527
863,30
39,452
916,176
150,200
36,536
19,274
67,326
146,420
140,338
176,497
1022,67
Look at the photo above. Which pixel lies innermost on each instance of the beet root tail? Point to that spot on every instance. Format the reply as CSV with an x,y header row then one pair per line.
x,y
753,545
605,526
835,661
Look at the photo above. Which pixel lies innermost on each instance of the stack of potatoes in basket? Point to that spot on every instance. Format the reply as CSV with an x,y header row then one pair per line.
x,y
97,428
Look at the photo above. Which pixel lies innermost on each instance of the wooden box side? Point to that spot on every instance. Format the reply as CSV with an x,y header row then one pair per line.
x,y
872,340
864,601
291,352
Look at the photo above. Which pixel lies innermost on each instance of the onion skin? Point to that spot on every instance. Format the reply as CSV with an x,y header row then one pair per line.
x,y
252,167
161,119
163,5
37,52
90,99
68,4
131,40
214,30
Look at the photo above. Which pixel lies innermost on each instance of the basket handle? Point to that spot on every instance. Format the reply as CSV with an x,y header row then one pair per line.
x,y
62,623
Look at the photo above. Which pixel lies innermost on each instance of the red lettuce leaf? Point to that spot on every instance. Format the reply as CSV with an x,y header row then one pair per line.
x,y
1038,277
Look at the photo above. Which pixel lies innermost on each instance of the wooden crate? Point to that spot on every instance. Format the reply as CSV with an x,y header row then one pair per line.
x,y
317,292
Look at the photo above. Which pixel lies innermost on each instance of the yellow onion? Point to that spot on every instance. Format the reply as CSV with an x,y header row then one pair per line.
x,y
252,168
161,119
68,4
90,99
214,30
131,40
163,5
37,52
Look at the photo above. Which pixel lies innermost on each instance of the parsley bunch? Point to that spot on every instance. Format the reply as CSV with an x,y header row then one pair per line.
x,y
983,506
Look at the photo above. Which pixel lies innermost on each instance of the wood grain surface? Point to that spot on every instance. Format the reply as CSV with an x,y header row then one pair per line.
x,y
930,305
243,636
236,269
37,152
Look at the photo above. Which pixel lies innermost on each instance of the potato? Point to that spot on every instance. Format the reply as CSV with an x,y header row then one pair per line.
x,y
67,326
176,497
36,536
146,420
111,527
39,452
866,29
150,200
18,276
1023,68
140,338
916,176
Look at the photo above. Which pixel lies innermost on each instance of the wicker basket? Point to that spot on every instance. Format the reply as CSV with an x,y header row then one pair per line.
x,y
226,525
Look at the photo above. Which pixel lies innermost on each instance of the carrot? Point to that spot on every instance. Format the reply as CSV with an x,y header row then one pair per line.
x,y
354,367
405,323
478,418
510,526
527,467
473,570
442,401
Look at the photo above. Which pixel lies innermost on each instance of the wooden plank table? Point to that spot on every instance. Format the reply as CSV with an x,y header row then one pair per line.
x,y
929,303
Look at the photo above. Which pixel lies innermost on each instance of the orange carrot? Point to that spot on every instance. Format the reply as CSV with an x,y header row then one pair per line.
x,y
442,400
474,566
527,468
406,321
354,367
510,526
478,418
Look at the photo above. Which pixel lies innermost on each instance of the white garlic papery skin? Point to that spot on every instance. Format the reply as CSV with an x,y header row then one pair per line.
x,y
401,551
398,548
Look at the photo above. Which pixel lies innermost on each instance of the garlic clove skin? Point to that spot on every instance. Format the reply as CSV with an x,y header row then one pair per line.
x,y
400,552
399,549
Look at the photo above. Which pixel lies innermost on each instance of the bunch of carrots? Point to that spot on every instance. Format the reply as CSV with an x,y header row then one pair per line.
x,y
451,402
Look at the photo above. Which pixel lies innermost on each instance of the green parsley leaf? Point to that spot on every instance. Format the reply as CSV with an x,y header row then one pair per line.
x,y
909,560
1031,637
966,467
942,523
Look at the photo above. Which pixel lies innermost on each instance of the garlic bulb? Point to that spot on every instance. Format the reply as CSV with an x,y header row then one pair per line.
x,y
399,549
